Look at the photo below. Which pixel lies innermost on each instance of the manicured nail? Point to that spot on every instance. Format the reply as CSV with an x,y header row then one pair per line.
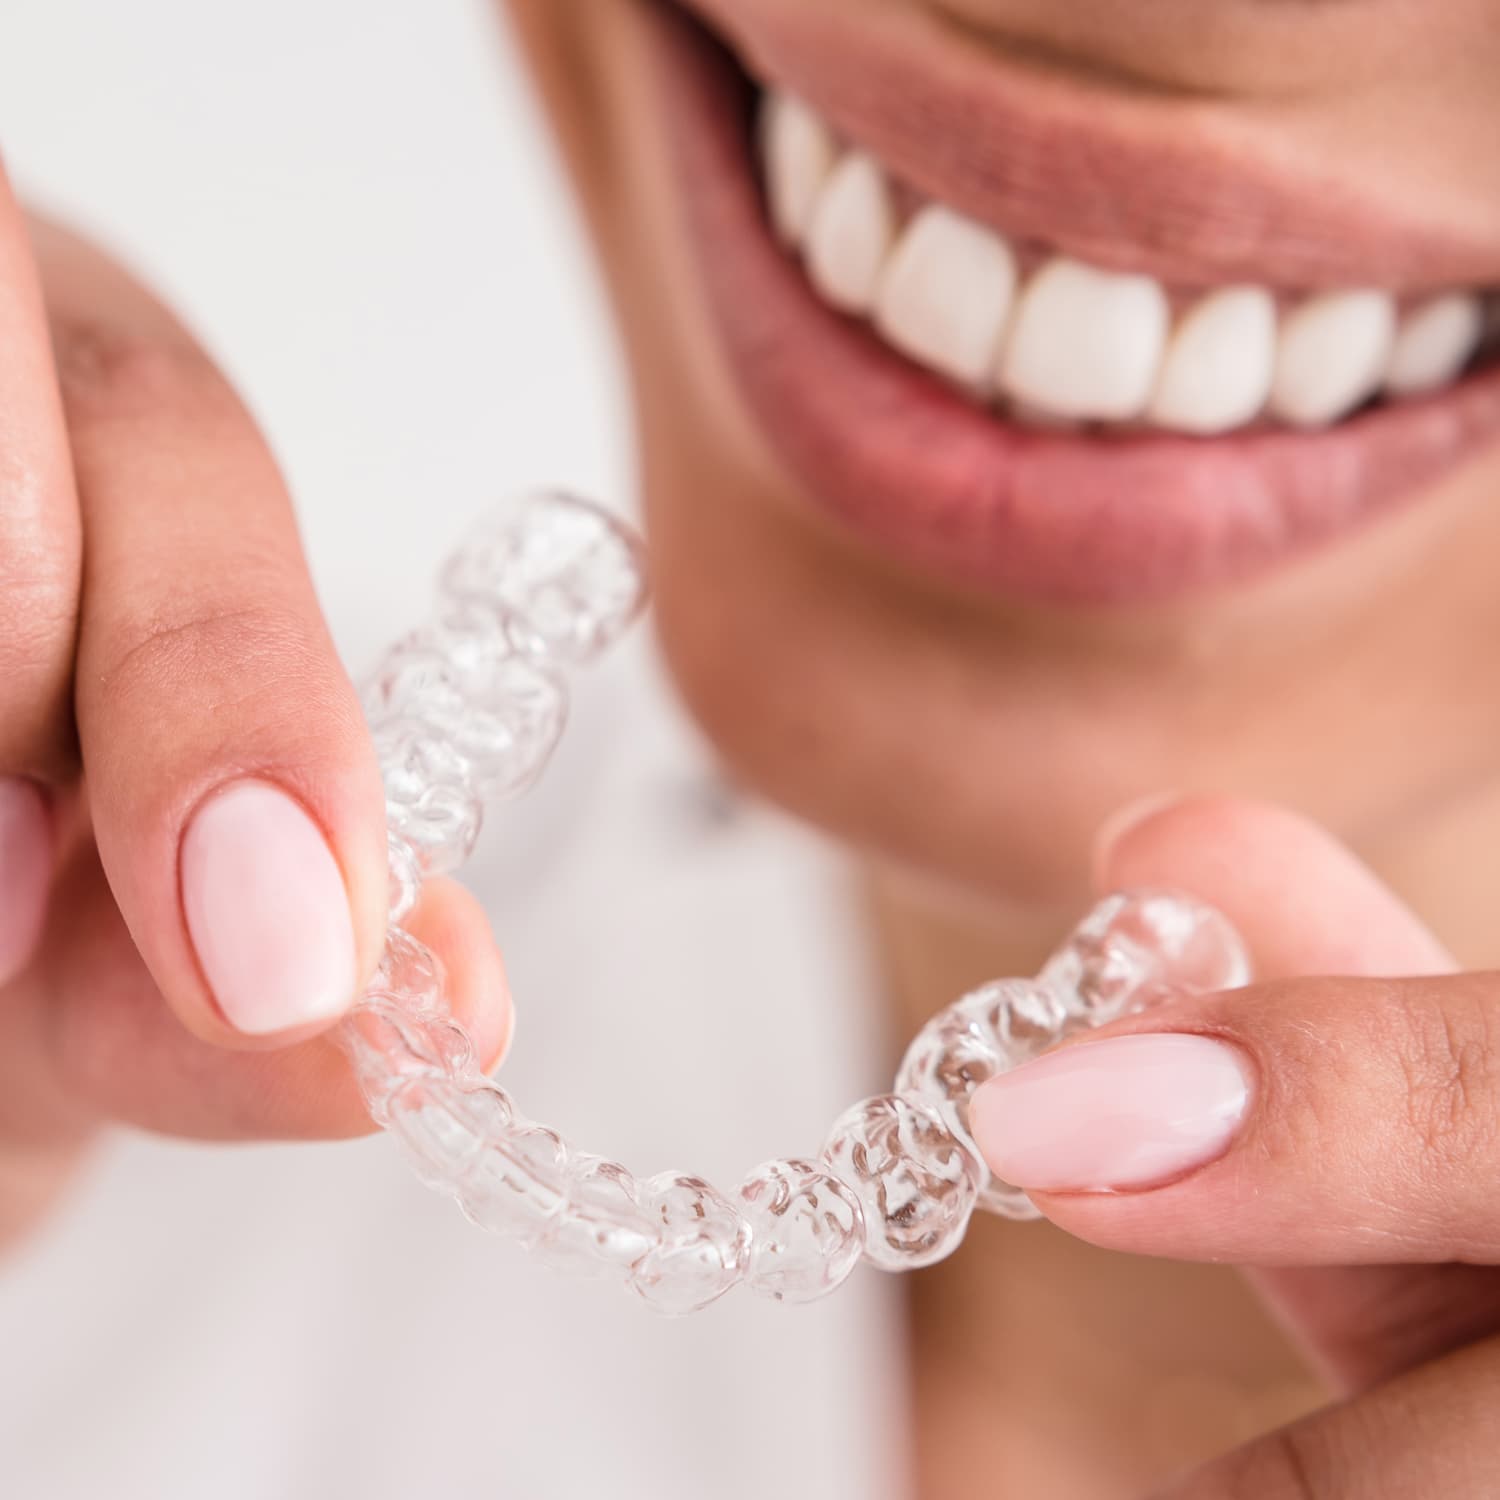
x,y
1130,1112
267,911
25,871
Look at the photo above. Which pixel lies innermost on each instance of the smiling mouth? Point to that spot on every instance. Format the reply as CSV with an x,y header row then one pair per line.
x,y
1050,339
1165,392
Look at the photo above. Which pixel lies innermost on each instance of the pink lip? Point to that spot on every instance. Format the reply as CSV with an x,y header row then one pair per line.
x,y
926,475
1168,187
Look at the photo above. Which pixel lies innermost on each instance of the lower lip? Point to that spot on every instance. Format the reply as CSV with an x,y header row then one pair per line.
x,y
926,476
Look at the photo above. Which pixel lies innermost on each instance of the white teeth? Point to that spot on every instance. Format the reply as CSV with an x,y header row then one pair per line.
x,y
1219,362
800,154
850,234
946,295
1077,344
1433,344
1085,343
1331,356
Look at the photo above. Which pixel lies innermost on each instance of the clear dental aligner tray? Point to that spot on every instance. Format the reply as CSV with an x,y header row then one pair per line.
x,y
465,712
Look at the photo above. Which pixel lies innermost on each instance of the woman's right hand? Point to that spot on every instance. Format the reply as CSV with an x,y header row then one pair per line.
x,y
192,829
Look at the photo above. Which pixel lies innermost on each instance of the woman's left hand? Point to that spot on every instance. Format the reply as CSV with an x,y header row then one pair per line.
x,y
1341,1135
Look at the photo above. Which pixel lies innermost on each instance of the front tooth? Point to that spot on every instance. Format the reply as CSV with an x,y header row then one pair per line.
x,y
1218,369
800,153
851,232
1331,356
1433,343
946,294
1086,344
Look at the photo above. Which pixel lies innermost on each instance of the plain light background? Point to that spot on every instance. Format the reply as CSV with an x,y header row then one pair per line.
x,y
356,208
353,205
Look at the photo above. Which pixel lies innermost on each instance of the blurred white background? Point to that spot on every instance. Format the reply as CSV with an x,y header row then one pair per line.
x,y
355,206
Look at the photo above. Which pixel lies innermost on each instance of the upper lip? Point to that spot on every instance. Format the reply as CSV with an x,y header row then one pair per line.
x,y
1182,189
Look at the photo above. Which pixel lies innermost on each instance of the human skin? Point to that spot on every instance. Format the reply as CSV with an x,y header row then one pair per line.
x,y
158,635
969,743
868,676
159,643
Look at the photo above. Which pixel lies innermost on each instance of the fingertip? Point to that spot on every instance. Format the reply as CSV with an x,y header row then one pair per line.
x,y
452,922
1303,901
357,836
26,858
1117,830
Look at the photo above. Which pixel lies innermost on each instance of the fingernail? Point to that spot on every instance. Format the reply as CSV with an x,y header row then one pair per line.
x,y
1130,1112
25,871
1126,819
267,911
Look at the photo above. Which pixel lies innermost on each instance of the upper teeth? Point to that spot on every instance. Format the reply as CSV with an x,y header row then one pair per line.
x,y
1086,343
1074,342
946,294
850,233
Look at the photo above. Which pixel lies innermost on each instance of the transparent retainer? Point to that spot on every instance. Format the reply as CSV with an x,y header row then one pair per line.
x,y
465,712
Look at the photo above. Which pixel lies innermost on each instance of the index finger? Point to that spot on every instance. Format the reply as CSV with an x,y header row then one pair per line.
x,y
233,788
1302,902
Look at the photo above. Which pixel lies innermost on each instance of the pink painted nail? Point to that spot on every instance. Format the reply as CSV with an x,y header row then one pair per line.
x,y
1130,1112
267,911
25,871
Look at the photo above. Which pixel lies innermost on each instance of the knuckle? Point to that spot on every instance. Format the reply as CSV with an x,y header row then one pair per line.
x,y
216,690
1291,1463
1428,1052
1444,1046
1302,1121
231,655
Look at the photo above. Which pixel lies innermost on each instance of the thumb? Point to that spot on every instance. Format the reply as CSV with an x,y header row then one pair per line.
x,y
1339,1056
1302,902
233,789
